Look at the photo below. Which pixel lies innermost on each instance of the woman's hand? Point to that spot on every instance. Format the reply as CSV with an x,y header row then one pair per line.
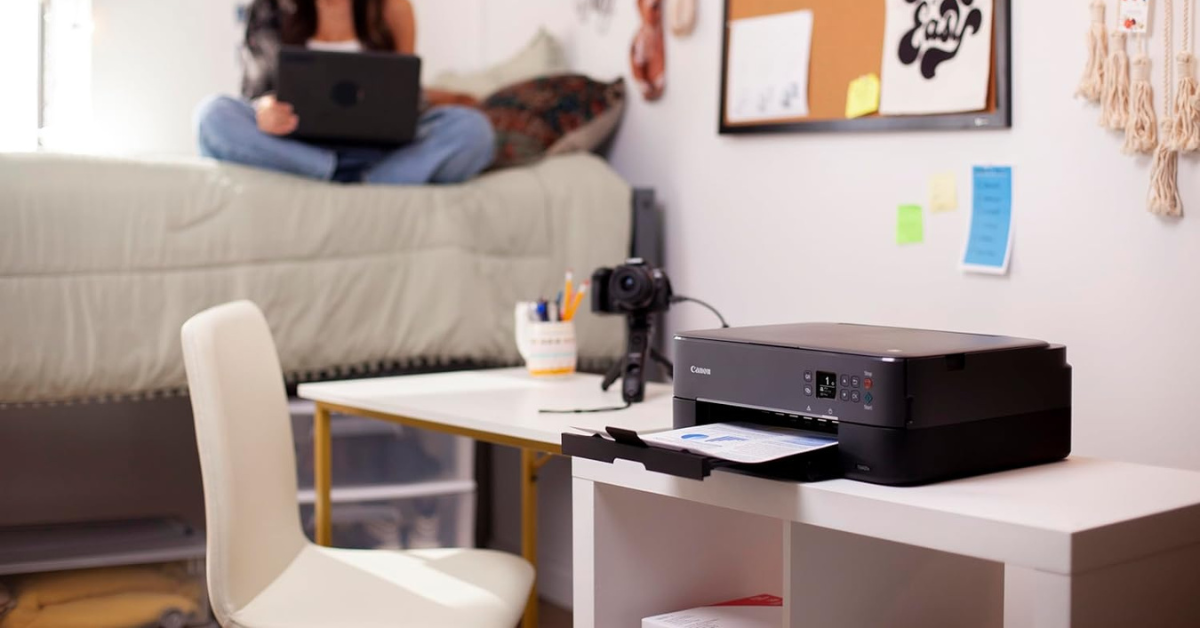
x,y
275,117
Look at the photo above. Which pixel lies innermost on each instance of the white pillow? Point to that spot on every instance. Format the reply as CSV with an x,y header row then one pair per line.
x,y
542,56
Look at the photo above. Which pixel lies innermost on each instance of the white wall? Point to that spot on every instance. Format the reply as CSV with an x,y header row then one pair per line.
x,y
155,60
800,227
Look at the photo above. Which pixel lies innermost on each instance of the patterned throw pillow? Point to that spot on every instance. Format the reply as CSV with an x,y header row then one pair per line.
x,y
553,115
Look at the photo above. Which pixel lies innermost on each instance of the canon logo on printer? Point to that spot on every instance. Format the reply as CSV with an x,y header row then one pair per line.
x,y
701,371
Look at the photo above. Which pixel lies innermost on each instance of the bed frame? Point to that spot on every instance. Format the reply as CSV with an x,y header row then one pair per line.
x,y
118,482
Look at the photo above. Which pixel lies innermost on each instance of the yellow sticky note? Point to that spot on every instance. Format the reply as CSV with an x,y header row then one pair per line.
x,y
943,192
863,96
910,224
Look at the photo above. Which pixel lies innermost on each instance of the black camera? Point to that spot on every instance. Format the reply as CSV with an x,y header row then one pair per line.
x,y
635,287
639,291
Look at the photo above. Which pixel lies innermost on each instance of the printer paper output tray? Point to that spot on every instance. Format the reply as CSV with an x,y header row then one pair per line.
x,y
822,464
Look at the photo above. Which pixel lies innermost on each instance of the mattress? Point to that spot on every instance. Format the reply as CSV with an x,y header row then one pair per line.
x,y
102,260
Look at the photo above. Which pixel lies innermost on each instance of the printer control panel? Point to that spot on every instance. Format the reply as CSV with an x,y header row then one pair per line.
x,y
820,385
839,386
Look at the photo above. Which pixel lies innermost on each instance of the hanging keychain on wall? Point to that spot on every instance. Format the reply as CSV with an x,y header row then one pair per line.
x,y
682,17
1141,132
1164,173
1185,130
603,9
1091,86
648,55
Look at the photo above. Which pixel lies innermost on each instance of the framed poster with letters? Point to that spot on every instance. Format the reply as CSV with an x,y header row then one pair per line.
x,y
865,65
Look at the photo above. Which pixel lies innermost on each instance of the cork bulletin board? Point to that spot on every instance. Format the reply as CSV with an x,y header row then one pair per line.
x,y
847,42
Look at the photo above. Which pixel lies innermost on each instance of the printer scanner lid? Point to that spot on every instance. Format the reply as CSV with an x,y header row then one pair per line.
x,y
868,340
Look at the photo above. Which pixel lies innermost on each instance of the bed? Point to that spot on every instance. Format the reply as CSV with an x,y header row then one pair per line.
x,y
102,260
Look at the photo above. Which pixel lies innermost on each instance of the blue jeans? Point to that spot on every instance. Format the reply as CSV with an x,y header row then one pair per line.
x,y
453,144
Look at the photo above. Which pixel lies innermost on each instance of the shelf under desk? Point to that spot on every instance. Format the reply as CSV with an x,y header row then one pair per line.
x,y
1078,543
35,549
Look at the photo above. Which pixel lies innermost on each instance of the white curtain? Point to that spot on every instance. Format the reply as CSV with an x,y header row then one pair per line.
x,y
19,40
67,74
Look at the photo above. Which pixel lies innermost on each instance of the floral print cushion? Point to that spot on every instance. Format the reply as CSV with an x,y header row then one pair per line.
x,y
553,114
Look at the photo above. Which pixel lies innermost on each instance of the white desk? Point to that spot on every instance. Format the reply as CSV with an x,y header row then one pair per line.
x,y
499,406
1083,543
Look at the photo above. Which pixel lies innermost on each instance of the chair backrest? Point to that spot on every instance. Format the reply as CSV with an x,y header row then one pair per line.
x,y
244,434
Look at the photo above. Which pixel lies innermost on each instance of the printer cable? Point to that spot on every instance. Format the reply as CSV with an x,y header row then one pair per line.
x,y
588,410
682,299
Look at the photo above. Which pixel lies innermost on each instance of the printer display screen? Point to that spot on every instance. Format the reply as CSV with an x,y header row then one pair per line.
x,y
826,385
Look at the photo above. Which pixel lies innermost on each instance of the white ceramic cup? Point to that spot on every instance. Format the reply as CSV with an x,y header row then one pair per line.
x,y
549,349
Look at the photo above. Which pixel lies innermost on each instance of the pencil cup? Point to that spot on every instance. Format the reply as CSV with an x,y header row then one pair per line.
x,y
549,349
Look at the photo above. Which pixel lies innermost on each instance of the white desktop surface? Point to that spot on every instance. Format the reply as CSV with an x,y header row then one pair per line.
x,y
501,401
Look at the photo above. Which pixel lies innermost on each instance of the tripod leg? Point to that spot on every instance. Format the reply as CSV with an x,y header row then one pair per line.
x,y
663,361
612,375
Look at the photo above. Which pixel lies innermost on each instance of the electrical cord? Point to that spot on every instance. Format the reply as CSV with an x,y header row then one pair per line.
x,y
588,410
681,299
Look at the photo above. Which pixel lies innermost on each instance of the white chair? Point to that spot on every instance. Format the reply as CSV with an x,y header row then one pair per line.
x,y
262,571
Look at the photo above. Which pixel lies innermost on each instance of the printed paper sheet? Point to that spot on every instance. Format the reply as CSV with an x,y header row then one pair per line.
x,y
768,67
937,56
741,442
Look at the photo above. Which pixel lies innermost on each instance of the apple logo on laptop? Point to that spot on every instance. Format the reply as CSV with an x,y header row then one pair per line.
x,y
347,93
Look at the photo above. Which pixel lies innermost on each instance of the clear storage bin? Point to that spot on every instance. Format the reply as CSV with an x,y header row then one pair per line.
x,y
369,452
415,523
393,486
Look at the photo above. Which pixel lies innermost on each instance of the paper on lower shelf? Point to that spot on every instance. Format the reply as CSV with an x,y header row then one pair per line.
x,y
741,442
759,611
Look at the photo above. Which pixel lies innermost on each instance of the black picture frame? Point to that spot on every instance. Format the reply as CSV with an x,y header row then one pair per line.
x,y
1000,118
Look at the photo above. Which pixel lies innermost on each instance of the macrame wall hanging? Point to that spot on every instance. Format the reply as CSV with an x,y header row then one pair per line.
x,y
1185,129
1141,130
1125,94
1091,86
1164,172
1114,100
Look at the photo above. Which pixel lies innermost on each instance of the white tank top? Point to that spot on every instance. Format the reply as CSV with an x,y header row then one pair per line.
x,y
349,45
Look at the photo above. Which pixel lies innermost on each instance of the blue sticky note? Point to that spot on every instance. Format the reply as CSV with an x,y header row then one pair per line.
x,y
989,244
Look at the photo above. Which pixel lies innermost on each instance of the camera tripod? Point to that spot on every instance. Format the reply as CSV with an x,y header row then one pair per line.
x,y
632,366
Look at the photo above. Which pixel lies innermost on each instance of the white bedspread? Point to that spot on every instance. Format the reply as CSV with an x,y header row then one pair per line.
x,y
102,260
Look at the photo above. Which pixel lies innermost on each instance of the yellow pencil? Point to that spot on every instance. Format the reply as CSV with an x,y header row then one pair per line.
x,y
577,301
569,291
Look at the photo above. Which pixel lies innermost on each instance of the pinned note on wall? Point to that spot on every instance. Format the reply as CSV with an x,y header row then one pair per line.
x,y
1134,16
910,224
943,192
989,241
862,98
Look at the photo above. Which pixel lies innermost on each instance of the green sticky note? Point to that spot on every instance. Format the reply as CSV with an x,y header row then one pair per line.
x,y
910,224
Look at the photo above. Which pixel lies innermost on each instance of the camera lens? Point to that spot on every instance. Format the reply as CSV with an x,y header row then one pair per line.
x,y
632,288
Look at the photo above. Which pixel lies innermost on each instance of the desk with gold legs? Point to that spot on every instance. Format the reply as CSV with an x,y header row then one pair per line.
x,y
498,407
